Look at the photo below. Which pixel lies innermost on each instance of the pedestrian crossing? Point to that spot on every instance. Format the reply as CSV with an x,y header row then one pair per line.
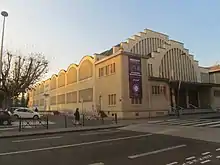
x,y
215,123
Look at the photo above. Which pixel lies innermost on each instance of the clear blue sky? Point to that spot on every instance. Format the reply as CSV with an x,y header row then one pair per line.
x,y
66,30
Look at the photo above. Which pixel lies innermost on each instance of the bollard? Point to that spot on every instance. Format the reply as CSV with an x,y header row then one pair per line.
x,y
47,122
83,123
19,124
65,121
116,118
102,120
34,123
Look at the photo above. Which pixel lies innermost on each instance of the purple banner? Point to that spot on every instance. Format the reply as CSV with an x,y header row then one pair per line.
x,y
135,77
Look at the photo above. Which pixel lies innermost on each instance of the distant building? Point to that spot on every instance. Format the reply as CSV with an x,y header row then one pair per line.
x,y
146,75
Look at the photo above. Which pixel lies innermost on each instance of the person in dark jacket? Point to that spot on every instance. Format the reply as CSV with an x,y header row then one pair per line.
x,y
77,116
36,109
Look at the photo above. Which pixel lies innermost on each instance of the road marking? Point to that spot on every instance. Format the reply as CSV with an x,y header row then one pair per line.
x,y
205,153
190,158
209,123
172,163
156,151
97,163
218,149
206,161
193,123
171,119
178,122
73,145
99,133
5,129
213,126
36,139
166,131
217,157
105,130
154,121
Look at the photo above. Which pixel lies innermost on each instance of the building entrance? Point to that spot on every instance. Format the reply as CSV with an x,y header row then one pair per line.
x,y
187,95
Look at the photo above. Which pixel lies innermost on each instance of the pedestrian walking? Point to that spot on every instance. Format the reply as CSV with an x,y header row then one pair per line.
x,y
77,116
36,109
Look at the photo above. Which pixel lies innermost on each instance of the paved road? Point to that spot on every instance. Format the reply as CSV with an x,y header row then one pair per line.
x,y
108,147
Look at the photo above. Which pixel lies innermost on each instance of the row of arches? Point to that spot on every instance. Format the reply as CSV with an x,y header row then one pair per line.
x,y
73,74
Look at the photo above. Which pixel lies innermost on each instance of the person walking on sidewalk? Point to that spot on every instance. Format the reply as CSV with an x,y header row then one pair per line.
x,y
77,116
36,109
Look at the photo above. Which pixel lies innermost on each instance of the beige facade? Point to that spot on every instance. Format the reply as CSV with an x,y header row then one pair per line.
x,y
102,81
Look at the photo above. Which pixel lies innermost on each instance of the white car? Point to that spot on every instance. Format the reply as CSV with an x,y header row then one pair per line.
x,y
26,113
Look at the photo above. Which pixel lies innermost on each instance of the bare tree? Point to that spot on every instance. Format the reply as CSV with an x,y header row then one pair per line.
x,y
20,72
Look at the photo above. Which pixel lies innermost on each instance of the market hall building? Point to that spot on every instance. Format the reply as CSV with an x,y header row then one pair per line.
x,y
147,75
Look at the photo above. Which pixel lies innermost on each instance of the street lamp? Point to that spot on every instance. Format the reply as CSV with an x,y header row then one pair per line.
x,y
4,14
100,102
178,91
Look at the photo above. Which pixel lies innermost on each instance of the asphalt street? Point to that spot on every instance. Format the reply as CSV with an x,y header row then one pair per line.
x,y
107,147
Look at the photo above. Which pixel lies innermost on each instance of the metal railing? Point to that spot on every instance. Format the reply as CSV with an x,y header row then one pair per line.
x,y
31,122
195,107
49,112
176,110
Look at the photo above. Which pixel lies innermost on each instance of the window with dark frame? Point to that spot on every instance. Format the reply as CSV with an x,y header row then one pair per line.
x,y
107,70
113,68
112,99
156,90
136,100
217,93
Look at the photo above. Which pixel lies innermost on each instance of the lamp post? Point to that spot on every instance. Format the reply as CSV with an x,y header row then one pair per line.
x,y
100,102
83,113
178,92
4,14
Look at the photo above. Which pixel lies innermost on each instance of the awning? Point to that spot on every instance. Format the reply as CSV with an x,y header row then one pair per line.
x,y
193,84
175,83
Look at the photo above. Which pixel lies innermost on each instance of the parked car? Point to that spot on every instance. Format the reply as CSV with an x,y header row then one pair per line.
x,y
12,109
26,113
5,116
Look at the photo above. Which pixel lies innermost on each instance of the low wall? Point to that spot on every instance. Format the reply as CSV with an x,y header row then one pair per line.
x,y
137,114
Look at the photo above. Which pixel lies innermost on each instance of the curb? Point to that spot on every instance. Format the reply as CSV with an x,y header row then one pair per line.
x,y
66,130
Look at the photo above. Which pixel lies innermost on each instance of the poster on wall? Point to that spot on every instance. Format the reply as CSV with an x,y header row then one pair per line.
x,y
135,77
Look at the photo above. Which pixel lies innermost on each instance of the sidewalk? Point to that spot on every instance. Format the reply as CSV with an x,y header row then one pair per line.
x,y
191,116
59,130
198,133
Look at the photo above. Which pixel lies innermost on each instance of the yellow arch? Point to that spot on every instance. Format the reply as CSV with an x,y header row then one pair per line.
x,y
42,83
47,81
61,71
72,66
53,76
90,58
38,85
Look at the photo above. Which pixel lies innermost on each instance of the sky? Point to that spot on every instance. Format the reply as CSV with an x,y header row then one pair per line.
x,y
66,30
